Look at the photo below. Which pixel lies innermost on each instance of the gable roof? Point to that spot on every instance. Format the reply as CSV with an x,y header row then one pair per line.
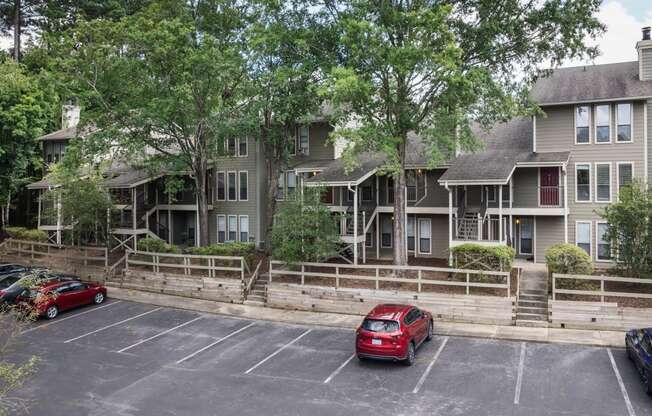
x,y
591,83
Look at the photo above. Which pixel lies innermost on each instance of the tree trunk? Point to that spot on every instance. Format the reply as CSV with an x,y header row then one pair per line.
x,y
400,234
17,13
202,203
273,171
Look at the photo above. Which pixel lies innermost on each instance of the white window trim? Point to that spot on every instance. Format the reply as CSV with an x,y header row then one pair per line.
x,y
228,185
575,124
631,123
246,147
618,176
418,234
391,235
240,228
597,250
246,172
226,226
226,147
595,123
298,143
590,235
228,229
577,165
217,181
595,181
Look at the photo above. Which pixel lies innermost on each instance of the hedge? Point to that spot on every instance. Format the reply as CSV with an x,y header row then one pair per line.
x,y
570,259
156,245
22,233
245,250
480,257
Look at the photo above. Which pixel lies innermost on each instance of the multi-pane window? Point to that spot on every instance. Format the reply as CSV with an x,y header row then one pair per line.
x,y
411,184
411,228
292,184
603,123
424,236
280,187
624,122
603,182
232,179
221,228
244,186
583,182
625,174
242,147
304,140
583,236
386,232
244,228
221,190
604,246
582,123
233,227
231,146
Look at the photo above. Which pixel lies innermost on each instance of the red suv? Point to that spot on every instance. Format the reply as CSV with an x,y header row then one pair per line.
x,y
53,297
393,332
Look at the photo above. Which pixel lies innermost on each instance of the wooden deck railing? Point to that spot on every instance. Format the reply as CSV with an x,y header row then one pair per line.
x,y
93,256
599,289
189,264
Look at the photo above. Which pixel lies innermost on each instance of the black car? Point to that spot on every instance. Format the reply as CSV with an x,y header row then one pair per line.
x,y
9,294
6,269
9,279
639,349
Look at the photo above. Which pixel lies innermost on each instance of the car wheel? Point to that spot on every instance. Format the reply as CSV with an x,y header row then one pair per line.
x,y
409,360
99,298
429,336
52,312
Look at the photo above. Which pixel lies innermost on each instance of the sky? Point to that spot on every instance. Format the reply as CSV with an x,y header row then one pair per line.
x,y
624,20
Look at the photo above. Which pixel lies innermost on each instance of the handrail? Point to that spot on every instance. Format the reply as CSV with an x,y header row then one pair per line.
x,y
397,267
253,278
116,264
599,292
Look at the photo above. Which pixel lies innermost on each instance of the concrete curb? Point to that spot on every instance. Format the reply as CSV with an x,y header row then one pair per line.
x,y
513,333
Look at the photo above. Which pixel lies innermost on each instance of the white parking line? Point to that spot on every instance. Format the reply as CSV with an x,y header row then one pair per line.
x,y
278,351
160,334
519,378
432,363
224,338
337,371
111,326
70,317
628,403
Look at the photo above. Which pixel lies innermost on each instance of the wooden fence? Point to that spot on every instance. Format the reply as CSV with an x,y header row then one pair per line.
x,y
415,275
187,264
34,250
599,290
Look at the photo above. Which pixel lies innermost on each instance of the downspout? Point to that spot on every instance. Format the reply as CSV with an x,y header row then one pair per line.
x,y
450,223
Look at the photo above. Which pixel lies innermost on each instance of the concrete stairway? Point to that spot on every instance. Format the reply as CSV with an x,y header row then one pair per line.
x,y
258,294
532,306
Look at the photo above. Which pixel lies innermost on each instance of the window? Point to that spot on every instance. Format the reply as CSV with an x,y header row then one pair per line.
x,y
367,193
526,229
491,193
624,122
291,184
327,195
410,234
411,184
604,247
244,228
603,123
411,316
625,174
230,147
221,228
244,185
386,232
390,190
221,190
583,183
304,140
280,187
603,182
583,236
582,130
209,188
424,236
233,228
292,145
243,150
232,178
505,193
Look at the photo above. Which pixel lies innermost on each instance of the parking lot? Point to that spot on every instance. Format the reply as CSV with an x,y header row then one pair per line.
x,y
124,358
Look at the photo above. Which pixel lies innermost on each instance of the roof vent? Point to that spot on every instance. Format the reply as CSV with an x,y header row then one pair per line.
x,y
646,33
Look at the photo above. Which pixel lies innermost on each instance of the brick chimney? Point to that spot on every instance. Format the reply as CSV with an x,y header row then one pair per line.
x,y
644,49
70,115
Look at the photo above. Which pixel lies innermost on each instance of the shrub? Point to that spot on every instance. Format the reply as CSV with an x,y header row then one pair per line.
x,y
21,233
568,259
156,245
245,250
480,257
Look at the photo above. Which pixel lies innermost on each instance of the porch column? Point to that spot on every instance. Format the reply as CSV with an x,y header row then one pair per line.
x,y
450,223
40,196
377,236
511,205
565,173
59,220
500,214
133,204
405,225
355,226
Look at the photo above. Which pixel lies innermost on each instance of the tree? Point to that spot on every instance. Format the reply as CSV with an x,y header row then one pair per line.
x,y
305,230
26,109
171,78
630,230
433,67
288,48
16,17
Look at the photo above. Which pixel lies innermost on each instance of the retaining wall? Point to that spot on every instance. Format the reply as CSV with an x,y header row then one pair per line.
x,y
59,265
597,315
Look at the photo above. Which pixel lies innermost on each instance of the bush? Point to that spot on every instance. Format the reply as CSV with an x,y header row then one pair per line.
x,y
21,233
479,257
568,259
156,245
245,250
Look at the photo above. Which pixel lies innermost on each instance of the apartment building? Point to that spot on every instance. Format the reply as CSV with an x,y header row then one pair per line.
x,y
537,182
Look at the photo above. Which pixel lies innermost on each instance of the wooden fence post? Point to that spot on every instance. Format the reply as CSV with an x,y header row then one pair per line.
x,y
303,276
242,269
602,290
127,261
419,281
468,289
269,277
554,287
377,277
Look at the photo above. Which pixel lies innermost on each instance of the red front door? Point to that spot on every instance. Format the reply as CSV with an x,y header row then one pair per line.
x,y
549,187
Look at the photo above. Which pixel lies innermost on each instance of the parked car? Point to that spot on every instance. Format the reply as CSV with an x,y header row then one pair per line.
x,y
6,269
8,280
36,276
393,332
638,343
54,297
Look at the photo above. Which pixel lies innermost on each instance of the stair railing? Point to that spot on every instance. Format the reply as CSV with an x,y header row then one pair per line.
x,y
252,279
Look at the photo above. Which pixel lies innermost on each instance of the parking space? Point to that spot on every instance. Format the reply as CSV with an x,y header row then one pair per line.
x,y
124,358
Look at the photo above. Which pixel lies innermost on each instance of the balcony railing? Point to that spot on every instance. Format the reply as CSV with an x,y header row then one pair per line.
x,y
472,229
550,196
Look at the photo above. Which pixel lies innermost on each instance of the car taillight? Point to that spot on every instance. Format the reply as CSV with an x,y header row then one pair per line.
x,y
2,293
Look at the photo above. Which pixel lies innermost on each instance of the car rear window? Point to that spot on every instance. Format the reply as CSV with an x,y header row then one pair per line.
x,y
380,325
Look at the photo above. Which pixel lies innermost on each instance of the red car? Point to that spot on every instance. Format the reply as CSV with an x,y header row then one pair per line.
x,y
393,332
54,297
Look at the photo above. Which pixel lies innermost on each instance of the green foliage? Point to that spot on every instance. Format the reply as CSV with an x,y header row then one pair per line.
x,y
305,230
21,233
156,245
245,250
568,259
481,257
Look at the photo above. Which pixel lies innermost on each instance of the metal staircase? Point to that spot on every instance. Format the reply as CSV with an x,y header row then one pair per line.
x,y
467,226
